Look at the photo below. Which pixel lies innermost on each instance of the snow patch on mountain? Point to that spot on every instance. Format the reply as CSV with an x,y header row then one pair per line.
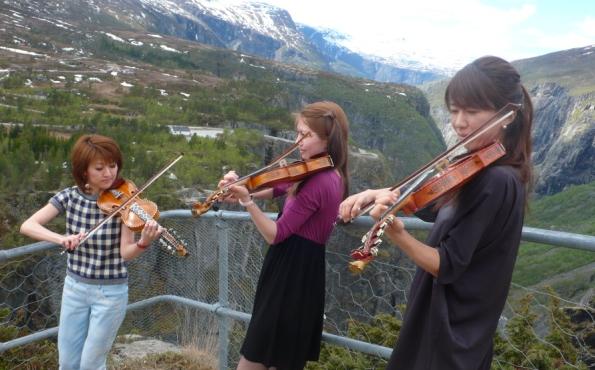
x,y
259,17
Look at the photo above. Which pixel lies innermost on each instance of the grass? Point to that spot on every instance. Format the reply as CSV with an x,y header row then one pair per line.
x,y
189,359
572,211
537,263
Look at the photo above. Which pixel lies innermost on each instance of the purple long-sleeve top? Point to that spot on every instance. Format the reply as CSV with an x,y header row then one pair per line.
x,y
311,213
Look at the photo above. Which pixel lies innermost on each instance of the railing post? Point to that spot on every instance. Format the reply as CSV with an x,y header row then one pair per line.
x,y
223,241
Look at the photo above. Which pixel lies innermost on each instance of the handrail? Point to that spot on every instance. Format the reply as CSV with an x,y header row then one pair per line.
x,y
530,234
217,309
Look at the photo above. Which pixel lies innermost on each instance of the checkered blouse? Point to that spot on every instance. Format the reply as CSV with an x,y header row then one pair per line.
x,y
98,260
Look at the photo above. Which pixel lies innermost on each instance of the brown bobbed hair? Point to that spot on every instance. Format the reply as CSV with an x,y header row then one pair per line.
x,y
89,148
489,83
329,122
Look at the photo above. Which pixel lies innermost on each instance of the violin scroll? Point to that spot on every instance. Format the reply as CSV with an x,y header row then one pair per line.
x,y
200,208
173,244
369,248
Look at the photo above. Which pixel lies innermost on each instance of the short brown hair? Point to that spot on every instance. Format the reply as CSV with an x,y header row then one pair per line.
x,y
89,148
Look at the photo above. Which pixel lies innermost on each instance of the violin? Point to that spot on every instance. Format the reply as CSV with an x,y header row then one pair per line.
x,y
137,213
450,179
122,199
278,171
442,175
295,171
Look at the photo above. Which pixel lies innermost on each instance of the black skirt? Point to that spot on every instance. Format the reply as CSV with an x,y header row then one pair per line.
x,y
286,325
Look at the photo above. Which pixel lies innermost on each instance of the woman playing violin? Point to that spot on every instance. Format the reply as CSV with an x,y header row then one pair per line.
x,y
287,317
95,291
465,265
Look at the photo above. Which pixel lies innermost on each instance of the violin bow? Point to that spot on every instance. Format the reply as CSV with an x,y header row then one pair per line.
x,y
129,200
199,208
503,114
273,163
403,197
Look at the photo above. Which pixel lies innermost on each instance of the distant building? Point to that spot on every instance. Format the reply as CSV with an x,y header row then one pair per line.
x,y
189,131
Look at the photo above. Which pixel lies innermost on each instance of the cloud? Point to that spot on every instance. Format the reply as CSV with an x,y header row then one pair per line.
x,y
561,37
448,33
587,27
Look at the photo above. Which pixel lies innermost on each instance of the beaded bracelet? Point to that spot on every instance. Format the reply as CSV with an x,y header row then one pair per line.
x,y
250,202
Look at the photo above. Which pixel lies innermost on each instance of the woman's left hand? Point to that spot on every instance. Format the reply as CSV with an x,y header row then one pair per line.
x,y
383,201
240,192
150,233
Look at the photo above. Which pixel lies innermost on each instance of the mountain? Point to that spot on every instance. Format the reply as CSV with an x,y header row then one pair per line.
x,y
562,89
342,60
562,86
252,28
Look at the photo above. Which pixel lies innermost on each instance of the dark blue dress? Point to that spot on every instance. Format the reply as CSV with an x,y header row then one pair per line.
x,y
450,320
286,326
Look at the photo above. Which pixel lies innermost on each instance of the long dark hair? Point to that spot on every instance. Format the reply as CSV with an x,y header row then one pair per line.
x,y
329,122
490,83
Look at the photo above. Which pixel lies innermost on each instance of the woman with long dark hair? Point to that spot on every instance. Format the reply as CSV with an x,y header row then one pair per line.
x,y
465,266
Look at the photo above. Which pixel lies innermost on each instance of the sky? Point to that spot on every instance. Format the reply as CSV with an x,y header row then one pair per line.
x,y
451,33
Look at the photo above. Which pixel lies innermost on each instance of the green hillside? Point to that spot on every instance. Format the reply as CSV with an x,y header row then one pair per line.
x,y
573,69
131,92
572,210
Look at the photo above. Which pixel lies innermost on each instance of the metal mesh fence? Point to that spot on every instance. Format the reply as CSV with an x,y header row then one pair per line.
x,y
366,307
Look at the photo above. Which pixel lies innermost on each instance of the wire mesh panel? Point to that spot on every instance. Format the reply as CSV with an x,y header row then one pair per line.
x,y
30,295
538,329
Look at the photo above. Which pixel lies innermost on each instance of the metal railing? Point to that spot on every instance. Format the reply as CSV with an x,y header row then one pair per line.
x,y
224,234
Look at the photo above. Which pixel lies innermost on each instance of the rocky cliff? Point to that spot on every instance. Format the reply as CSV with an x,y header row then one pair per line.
x,y
562,89
564,138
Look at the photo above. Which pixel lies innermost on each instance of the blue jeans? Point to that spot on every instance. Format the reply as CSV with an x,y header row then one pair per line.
x,y
89,320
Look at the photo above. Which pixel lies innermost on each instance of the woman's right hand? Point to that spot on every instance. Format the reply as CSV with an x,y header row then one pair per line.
x,y
228,178
70,242
351,207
